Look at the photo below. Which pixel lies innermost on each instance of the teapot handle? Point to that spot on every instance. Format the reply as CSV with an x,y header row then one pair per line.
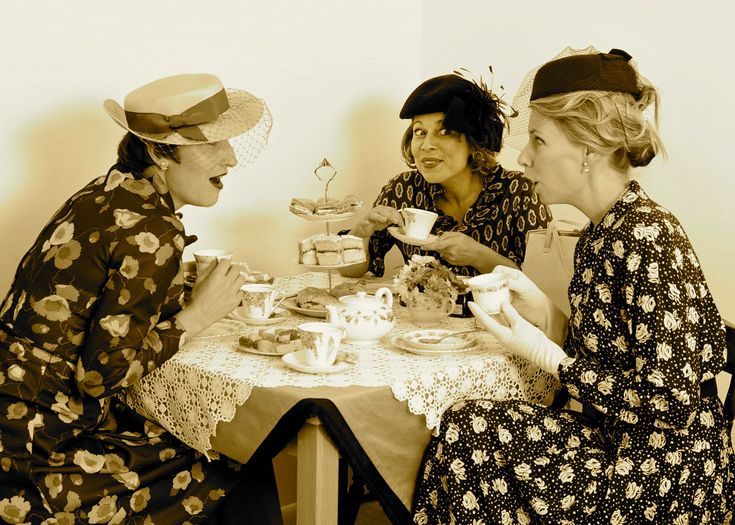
x,y
385,295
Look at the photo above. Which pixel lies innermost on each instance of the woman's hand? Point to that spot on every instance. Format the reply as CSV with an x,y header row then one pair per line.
x,y
522,337
379,218
533,304
213,297
457,248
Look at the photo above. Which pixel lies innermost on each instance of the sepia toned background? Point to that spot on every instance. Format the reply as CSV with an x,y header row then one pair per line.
x,y
334,74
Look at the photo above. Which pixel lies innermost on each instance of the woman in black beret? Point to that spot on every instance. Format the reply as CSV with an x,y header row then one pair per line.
x,y
451,147
640,351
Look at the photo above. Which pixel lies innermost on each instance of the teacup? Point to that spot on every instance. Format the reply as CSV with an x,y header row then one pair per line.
x,y
418,223
320,342
206,259
258,301
489,290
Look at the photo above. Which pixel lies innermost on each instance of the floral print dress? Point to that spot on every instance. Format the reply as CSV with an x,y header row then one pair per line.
x,y
90,312
506,209
644,333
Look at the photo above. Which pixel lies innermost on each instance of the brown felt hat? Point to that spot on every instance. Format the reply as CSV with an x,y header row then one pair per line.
x,y
594,72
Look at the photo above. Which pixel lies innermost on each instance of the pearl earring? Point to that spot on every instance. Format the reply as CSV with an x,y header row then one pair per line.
x,y
163,165
586,166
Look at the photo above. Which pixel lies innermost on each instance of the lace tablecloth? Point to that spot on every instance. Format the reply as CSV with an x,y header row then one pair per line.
x,y
210,377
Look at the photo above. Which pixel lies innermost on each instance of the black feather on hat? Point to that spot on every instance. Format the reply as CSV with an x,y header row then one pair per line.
x,y
469,107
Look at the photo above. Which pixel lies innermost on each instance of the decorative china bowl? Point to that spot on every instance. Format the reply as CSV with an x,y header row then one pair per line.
x,y
365,318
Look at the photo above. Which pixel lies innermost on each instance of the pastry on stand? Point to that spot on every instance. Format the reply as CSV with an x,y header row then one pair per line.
x,y
328,251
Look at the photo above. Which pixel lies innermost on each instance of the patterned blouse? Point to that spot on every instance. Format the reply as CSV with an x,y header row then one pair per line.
x,y
644,333
506,209
90,311
644,328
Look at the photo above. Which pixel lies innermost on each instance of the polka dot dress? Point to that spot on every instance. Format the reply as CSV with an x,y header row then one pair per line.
x,y
644,333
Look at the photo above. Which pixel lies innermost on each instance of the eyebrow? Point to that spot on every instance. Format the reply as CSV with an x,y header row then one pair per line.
x,y
439,123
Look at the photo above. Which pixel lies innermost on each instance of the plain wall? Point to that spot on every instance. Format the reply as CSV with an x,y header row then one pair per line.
x,y
333,74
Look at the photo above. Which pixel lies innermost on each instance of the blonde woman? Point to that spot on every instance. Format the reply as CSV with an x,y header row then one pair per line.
x,y
640,351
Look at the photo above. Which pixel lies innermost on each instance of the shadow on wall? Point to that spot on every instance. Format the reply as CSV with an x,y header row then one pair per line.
x,y
56,155
366,155
375,132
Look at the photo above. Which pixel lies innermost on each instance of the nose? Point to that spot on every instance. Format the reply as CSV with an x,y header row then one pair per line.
x,y
427,142
524,159
228,154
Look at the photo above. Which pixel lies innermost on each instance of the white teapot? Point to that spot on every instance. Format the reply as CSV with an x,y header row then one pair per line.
x,y
365,318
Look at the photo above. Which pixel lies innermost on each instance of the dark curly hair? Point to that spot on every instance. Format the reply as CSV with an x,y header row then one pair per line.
x,y
133,156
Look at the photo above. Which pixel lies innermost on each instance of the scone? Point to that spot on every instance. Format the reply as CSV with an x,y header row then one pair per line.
x,y
328,250
314,298
349,204
348,289
302,206
326,206
307,252
353,249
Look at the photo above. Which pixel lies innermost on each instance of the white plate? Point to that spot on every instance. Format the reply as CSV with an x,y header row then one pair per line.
x,y
278,315
417,339
293,360
396,232
330,217
401,343
290,304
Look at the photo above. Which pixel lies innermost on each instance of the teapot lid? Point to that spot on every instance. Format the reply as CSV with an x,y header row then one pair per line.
x,y
360,297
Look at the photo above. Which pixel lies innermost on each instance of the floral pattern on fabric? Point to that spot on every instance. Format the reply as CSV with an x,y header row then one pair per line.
x,y
506,209
643,334
89,313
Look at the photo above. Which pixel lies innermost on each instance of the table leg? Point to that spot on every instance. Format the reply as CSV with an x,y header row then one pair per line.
x,y
317,477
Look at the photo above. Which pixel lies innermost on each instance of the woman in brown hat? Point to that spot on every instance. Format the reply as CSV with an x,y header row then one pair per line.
x,y
96,303
640,351
451,146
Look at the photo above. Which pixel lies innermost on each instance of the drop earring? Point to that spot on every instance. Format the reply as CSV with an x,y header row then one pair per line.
x,y
163,166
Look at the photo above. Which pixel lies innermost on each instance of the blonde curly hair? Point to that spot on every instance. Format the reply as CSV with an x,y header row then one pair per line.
x,y
610,123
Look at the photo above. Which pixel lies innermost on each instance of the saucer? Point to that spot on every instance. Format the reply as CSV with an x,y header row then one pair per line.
x,y
278,315
401,343
294,360
397,232
417,339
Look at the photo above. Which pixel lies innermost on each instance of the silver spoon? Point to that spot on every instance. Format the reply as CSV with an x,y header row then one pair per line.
x,y
435,340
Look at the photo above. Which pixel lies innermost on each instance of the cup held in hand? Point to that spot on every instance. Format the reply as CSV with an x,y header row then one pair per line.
x,y
417,223
489,290
206,259
320,342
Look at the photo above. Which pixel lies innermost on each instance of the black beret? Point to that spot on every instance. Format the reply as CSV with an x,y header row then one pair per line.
x,y
595,72
468,108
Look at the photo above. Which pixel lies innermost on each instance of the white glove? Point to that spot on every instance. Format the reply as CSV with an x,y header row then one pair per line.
x,y
522,338
534,305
